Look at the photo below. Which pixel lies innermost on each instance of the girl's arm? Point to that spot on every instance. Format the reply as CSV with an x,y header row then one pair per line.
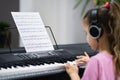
x,y
72,69
74,77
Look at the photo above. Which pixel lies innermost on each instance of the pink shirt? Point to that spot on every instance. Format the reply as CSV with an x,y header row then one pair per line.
x,y
100,67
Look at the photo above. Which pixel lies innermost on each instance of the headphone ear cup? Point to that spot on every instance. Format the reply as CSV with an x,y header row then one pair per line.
x,y
95,31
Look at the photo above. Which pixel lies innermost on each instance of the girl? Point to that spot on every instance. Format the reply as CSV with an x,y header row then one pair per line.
x,y
102,27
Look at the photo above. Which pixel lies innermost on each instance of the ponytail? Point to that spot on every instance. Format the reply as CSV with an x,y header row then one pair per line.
x,y
115,31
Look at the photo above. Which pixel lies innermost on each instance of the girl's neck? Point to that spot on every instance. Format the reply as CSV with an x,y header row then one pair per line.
x,y
103,45
105,51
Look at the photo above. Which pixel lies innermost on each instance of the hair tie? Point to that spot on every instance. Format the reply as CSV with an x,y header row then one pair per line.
x,y
107,5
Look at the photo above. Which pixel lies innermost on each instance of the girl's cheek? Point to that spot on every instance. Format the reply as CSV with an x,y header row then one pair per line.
x,y
92,42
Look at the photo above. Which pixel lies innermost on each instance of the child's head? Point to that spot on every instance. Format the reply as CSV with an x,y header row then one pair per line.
x,y
104,22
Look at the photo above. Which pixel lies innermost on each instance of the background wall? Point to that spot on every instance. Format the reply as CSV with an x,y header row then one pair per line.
x,y
6,6
60,15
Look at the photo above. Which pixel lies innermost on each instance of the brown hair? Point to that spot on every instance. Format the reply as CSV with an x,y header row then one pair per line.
x,y
109,20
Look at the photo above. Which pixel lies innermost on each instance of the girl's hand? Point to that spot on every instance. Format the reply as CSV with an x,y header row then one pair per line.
x,y
83,59
72,70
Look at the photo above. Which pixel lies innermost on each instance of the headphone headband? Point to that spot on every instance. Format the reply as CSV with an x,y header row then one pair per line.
x,y
94,16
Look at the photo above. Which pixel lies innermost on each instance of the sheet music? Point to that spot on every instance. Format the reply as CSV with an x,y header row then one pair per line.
x,y
32,31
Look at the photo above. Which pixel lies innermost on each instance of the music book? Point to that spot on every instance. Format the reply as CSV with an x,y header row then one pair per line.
x,y
32,31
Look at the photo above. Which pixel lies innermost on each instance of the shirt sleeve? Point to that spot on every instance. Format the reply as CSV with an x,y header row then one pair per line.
x,y
92,70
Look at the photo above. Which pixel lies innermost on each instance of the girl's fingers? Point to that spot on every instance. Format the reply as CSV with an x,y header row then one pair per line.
x,y
81,60
78,60
86,54
80,56
67,65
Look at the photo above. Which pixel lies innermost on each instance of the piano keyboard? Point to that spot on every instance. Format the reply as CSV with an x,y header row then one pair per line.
x,y
14,66
26,71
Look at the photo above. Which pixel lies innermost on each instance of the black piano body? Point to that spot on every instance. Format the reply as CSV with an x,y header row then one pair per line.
x,y
18,58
